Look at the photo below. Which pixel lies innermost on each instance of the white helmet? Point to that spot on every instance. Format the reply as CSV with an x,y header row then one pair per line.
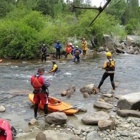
x,y
76,46
70,44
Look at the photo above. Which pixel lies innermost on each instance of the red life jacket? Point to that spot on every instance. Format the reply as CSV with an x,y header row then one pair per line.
x,y
37,82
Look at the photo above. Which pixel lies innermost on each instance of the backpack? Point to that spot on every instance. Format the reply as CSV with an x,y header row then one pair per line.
x,y
77,52
111,63
44,49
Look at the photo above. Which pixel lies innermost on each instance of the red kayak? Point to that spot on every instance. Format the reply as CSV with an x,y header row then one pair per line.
x,y
6,131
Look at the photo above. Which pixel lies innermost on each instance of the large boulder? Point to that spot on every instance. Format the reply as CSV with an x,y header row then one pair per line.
x,y
128,113
103,105
129,101
95,117
41,136
56,118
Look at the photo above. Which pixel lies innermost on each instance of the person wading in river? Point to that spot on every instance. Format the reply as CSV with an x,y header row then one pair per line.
x,y
109,66
43,52
40,84
54,69
84,47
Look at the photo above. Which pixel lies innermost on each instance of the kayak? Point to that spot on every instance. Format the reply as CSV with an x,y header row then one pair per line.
x,y
56,105
5,130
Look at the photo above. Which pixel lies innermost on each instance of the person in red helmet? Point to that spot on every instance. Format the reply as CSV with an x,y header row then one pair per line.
x,y
40,84
84,46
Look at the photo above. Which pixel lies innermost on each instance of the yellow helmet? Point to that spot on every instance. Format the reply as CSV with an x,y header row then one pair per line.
x,y
108,54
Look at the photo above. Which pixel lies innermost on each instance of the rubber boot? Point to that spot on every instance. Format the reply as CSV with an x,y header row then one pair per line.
x,y
35,110
46,109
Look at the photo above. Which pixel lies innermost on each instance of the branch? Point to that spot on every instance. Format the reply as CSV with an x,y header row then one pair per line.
x,y
108,1
73,6
100,9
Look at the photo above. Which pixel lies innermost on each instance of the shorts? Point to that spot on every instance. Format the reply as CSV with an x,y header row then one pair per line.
x,y
40,97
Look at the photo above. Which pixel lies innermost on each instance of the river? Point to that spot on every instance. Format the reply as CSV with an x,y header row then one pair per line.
x,y
15,83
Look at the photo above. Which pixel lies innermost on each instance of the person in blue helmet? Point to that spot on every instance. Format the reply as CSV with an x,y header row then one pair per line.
x,y
76,53
58,47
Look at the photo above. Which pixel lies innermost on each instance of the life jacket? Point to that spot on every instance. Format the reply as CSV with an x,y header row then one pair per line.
x,y
110,65
35,83
44,49
55,68
68,49
77,52
84,45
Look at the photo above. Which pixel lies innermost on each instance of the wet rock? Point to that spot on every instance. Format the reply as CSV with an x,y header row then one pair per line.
x,y
41,136
95,117
90,89
127,113
101,100
109,95
107,124
56,118
93,136
75,138
77,132
103,105
2,108
82,110
85,95
116,84
129,101
63,93
32,122
69,92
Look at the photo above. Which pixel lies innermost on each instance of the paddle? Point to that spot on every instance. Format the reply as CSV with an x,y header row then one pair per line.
x,y
76,106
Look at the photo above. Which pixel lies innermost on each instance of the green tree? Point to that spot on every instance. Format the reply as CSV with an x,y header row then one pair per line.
x,y
131,11
5,8
117,9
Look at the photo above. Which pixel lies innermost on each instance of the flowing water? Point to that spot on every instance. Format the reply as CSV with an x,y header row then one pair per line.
x,y
15,83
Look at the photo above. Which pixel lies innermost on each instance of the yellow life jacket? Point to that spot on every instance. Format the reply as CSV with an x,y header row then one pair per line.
x,y
77,52
111,63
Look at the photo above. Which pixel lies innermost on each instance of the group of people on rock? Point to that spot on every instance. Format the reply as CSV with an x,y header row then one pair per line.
x,y
41,84
69,50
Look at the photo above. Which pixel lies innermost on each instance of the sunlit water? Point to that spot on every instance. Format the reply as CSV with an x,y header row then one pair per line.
x,y
15,80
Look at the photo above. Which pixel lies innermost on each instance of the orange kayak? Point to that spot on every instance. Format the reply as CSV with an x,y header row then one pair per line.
x,y
55,105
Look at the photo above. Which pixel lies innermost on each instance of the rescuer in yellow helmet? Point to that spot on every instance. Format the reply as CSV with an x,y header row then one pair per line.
x,y
109,66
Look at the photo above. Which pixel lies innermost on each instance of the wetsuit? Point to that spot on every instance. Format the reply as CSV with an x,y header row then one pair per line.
x,y
109,71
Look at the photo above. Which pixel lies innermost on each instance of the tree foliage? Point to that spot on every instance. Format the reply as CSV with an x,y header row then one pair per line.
x,y
26,24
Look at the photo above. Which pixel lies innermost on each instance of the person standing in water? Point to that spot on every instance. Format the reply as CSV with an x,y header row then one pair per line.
x,y
40,84
84,47
43,52
109,66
